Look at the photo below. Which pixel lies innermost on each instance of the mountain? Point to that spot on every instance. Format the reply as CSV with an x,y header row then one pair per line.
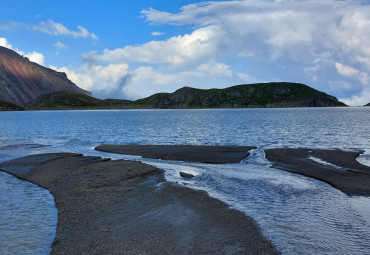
x,y
276,94
21,80
279,94
367,104
6,106
63,100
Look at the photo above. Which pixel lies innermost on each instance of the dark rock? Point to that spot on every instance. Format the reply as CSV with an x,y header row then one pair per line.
x,y
186,175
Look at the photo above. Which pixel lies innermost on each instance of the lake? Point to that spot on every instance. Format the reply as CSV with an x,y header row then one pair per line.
x,y
300,215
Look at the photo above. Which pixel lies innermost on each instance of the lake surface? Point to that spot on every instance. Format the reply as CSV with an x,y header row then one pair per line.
x,y
298,214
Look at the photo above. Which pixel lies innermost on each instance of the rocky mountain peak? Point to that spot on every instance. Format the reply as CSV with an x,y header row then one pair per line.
x,y
21,80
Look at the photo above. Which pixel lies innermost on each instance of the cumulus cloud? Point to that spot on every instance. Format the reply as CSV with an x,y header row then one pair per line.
x,y
291,34
352,72
178,50
102,81
214,68
33,56
4,43
358,99
324,44
53,28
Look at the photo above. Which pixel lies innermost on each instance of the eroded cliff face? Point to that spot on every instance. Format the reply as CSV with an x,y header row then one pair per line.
x,y
21,80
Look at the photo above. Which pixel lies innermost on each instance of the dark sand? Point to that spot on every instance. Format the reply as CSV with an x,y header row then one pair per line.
x,y
349,176
125,207
190,153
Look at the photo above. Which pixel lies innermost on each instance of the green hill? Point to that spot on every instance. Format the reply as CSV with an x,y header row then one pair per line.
x,y
367,104
6,106
278,94
64,100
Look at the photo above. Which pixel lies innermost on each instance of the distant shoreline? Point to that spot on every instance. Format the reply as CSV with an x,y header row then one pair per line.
x,y
166,109
257,95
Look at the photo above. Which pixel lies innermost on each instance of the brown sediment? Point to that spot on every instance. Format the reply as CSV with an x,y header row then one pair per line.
x,y
125,207
343,172
190,153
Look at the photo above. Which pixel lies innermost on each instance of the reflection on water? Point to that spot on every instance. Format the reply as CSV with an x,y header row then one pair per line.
x,y
299,214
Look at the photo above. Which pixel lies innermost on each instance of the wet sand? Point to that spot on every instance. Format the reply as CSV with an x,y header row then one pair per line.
x,y
126,207
343,172
190,153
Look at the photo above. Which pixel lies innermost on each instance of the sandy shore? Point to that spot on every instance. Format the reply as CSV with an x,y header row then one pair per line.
x,y
125,207
190,153
338,168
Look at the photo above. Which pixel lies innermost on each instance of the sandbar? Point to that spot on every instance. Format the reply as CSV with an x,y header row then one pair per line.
x,y
126,207
189,153
335,167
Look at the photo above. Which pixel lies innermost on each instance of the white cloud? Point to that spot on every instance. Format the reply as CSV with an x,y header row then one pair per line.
x,y
53,28
244,77
157,33
304,41
305,37
102,81
33,56
50,27
4,43
147,74
349,71
178,50
346,70
358,100
214,68
60,45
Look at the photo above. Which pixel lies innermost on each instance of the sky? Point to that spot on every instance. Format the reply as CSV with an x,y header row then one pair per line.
x,y
133,49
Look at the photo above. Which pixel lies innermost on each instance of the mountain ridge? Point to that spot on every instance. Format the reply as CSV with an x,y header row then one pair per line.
x,y
21,80
260,95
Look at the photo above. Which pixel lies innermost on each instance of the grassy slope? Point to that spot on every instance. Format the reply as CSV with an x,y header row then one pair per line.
x,y
63,100
6,106
279,94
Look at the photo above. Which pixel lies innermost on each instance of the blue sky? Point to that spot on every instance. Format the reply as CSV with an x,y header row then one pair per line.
x,y
132,49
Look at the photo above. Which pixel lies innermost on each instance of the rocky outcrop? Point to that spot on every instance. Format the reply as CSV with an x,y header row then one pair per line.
x,y
22,80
